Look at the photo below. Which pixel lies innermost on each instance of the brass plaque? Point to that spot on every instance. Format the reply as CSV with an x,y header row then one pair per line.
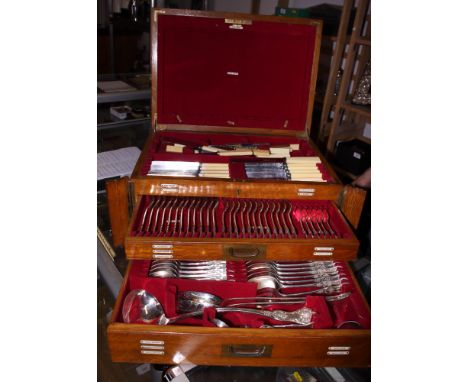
x,y
238,21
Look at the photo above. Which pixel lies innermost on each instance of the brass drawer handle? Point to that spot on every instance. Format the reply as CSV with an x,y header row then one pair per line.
x,y
249,351
244,252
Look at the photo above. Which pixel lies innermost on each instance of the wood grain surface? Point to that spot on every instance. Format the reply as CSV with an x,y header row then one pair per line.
x,y
117,204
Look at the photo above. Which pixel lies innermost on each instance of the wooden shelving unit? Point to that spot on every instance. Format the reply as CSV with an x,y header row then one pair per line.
x,y
341,119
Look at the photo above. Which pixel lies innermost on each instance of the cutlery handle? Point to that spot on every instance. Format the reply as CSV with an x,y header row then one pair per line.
x,y
301,316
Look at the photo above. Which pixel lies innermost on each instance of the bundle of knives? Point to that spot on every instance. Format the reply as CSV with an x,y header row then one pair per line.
x,y
293,168
266,170
233,218
304,169
189,169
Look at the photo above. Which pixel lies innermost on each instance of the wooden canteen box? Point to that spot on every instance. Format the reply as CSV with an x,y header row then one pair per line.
x,y
232,93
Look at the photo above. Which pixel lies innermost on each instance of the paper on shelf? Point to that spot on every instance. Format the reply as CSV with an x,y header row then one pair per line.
x,y
115,86
121,162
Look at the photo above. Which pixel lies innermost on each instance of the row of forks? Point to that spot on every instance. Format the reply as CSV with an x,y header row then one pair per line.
x,y
195,270
179,216
257,219
205,217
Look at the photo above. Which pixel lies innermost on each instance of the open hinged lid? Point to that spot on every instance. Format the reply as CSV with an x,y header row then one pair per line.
x,y
233,72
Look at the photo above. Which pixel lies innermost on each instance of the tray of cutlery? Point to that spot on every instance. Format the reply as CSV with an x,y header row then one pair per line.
x,y
186,309
179,154
224,163
166,227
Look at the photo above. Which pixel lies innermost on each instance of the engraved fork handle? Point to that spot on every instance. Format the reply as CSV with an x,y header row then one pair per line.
x,y
301,316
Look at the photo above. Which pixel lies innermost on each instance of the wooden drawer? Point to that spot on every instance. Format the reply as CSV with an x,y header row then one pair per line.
x,y
174,230
240,347
176,344
238,185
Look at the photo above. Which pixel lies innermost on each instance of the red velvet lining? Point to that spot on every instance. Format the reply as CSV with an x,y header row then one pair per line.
x,y
157,151
338,314
211,74
300,210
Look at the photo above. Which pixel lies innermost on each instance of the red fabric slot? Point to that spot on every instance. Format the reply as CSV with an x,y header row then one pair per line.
x,y
325,175
210,74
321,319
236,170
350,311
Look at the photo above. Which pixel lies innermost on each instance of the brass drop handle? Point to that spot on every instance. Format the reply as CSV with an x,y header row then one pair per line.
x,y
244,252
246,350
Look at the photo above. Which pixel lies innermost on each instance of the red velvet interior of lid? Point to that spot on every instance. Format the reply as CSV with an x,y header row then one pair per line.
x,y
273,62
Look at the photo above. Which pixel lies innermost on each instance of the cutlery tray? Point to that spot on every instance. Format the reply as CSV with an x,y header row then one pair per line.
x,y
349,312
340,334
237,228
192,142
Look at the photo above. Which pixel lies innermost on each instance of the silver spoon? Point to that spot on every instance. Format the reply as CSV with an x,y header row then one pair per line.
x,y
191,301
